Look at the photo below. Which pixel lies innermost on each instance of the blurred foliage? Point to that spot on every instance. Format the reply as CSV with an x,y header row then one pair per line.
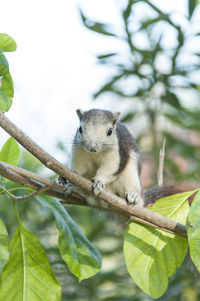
x,y
156,97
156,75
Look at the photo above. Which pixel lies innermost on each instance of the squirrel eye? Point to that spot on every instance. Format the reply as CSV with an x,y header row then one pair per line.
x,y
109,133
80,130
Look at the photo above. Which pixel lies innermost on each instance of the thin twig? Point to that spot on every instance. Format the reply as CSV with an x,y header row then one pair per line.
x,y
124,225
7,171
23,198
32,195
7,193
28,174
161,164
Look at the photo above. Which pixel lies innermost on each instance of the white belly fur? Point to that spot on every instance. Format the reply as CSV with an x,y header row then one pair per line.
x,y
87,164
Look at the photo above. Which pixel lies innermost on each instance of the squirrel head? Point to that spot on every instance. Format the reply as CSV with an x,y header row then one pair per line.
x,y
97,131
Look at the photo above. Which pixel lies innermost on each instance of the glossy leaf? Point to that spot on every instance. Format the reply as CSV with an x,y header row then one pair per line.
x,y
7,43
10,152
28,275
194,231
77,251
4,246
5,102
152,255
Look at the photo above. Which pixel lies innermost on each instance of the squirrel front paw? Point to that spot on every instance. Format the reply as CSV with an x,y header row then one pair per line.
x,y
133,198
62,181
69,188
98,186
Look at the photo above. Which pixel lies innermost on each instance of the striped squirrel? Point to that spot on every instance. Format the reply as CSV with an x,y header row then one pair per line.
x,y
105,152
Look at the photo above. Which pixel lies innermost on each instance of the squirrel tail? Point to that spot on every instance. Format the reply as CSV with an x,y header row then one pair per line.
x,y
155,193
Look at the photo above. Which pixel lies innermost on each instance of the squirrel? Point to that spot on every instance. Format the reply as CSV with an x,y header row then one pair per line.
x,y
105,152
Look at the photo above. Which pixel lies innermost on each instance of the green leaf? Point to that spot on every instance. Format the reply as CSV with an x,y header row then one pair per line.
x,y
152,255
4,246
105,56
10,152
191,7
7,85
172,100
4,67
194,231
7,43
28,274
96,26
5,102
77,251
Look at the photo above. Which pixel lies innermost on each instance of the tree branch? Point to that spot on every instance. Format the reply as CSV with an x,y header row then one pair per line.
x,y
72,200
17,174
86,185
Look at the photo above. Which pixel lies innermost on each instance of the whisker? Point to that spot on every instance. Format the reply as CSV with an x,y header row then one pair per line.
x,y
81,143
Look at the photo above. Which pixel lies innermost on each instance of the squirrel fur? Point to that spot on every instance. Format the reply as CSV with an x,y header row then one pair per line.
x,y
105,152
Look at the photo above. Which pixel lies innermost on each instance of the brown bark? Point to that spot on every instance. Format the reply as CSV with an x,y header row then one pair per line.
x,y
142,214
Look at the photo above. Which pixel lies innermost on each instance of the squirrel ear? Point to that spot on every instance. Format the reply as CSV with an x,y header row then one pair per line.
x,y
80,113
116,117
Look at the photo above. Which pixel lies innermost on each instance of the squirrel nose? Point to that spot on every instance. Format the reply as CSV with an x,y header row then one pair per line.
x,y
93,147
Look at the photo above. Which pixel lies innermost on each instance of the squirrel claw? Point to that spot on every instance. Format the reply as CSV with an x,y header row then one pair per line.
x,y
133,199
69,188
98,186
62,181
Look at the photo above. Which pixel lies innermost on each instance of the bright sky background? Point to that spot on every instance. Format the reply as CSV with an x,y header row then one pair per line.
x,y
54,68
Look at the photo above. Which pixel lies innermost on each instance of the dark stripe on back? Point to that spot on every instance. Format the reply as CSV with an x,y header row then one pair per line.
x,y
126,143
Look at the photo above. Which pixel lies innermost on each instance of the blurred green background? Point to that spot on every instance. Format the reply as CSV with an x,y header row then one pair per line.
x,y
155,77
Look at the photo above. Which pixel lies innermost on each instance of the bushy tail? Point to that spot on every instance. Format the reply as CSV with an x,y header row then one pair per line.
x,y
155,193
